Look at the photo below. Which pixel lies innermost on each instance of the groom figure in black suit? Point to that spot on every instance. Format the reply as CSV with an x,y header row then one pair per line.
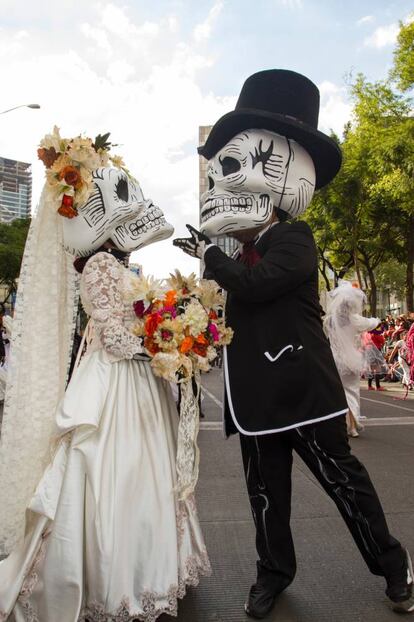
x,y
283,391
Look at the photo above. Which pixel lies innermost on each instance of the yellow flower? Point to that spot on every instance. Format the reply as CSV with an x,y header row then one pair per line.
x,y
165,365
117,161
226,335
179,282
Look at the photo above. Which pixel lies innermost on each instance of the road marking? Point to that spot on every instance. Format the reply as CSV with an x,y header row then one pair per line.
x,y
211,425
212,397
373,422
387,404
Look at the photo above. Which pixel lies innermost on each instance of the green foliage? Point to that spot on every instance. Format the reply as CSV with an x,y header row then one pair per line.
x,y
391,276
403,70
12,241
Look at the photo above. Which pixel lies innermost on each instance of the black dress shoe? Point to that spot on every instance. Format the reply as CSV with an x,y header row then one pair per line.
x,y
400,588
261,600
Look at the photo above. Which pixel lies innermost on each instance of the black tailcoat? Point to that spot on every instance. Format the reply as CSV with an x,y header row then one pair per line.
x,y
279,368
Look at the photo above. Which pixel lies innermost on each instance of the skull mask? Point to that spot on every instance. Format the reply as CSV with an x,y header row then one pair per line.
x,y
113,210
256,172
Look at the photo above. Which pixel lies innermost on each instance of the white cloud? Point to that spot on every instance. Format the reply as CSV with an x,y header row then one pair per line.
x,y
335,109
382,36
115,72
367,19
203,30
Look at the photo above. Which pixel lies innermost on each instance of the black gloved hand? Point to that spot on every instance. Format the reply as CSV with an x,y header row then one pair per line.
x,y
194,246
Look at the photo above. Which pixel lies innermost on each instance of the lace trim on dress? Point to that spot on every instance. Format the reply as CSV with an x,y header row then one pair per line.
x,y
30,582
184,509
195,566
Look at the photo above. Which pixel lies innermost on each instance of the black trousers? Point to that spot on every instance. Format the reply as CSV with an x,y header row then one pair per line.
x,y
325,450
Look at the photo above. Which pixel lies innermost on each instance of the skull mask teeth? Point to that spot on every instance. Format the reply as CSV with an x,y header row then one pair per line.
x,y
255,172
116,209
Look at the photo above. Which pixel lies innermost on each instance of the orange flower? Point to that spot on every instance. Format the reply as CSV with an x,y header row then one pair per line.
x,y
186,345
151,346
72,176
47,156
201,339
66,209
170,298
200,345
213,315
152,322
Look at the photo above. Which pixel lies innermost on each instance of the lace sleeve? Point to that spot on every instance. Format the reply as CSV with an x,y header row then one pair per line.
x,y
361,323
102,281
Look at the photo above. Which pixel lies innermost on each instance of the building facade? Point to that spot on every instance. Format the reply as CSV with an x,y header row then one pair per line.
x,y
227,245
15,189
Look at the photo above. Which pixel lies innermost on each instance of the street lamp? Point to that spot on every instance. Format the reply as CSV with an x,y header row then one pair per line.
x,y
33,106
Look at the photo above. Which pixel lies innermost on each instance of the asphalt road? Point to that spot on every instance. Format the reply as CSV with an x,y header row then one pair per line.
x,y
332,583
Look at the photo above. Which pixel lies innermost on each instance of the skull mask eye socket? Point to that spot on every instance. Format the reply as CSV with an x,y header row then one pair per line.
x,y
121,189
229,165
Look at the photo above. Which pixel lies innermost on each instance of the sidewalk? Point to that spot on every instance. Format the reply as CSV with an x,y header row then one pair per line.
x,y
332,583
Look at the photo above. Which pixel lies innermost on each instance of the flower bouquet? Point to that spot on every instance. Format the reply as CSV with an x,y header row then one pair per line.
x,y
181,325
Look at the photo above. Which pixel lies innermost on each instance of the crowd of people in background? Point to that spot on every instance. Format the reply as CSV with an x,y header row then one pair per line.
x,y
388,353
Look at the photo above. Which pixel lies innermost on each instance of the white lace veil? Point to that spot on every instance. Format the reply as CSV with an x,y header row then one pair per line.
x,y
40,354
344,306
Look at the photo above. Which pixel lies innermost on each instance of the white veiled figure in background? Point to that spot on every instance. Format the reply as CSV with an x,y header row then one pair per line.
x,y
106,536
343,323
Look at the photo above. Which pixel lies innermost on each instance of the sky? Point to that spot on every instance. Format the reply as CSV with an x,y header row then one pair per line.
x,y
151,72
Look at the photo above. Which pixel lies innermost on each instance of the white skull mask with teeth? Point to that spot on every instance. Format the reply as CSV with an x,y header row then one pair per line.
x,y
256,172
148,228
112,211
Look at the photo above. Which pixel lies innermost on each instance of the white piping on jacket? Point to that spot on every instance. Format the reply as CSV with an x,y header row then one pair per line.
x,y
261,432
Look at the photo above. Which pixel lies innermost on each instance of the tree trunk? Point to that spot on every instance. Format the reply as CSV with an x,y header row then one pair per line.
x,y
357,269
372,292
409,289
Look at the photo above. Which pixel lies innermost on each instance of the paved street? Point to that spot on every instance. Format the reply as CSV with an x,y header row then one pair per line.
x,y
332,583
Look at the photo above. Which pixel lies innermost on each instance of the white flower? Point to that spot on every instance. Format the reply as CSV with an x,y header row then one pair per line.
x,y
54,140
195,318
81,150
168,365
144,288
210,294
202,362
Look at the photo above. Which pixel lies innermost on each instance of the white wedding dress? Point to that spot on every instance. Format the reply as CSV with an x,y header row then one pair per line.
x,y
106,537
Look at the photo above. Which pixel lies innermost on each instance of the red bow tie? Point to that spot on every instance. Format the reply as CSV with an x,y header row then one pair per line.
x,y
249,255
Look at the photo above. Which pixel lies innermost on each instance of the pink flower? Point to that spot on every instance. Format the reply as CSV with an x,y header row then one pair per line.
x,y
213,331
139,308
169,310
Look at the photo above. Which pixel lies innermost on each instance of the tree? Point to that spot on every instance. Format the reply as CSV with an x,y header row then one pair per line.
x,y
403,69
12,240
384,125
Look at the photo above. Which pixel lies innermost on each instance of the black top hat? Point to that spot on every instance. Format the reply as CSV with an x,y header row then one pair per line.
x,y
284,102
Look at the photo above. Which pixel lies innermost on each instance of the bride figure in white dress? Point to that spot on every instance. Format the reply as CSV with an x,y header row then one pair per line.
x,y
343,324
106,537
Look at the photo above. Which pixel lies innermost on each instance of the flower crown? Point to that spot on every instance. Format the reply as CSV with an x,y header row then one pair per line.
x,y
69,164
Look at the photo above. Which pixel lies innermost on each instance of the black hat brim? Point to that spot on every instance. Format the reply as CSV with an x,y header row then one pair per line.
x,y
324,151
